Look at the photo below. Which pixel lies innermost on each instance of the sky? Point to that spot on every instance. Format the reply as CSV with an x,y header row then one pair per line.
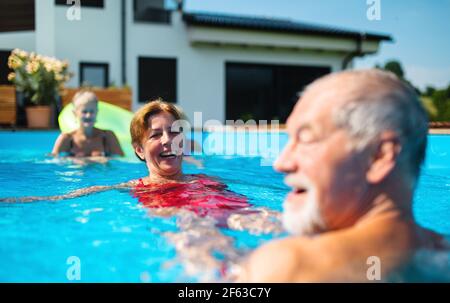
x,y
420,28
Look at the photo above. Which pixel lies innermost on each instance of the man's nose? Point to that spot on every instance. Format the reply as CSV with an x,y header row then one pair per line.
x,y
286,161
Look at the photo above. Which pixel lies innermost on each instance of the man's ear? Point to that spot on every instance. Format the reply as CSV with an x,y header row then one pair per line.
x,y
139,151
384,158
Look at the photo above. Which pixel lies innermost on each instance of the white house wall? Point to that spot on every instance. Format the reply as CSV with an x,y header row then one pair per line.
x,y
207,93
200,62
24,40
201,69
94,38
45,28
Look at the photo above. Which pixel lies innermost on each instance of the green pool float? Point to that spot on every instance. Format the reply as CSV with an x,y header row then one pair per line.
x,y
109,117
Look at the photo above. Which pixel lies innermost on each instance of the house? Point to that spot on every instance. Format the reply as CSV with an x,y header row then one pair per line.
x,y
225,66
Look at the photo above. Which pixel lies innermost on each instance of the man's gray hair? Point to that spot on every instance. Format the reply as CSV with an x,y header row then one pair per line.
x,y
388,104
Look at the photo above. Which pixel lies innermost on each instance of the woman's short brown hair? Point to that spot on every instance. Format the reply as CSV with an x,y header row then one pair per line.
x,y
139,123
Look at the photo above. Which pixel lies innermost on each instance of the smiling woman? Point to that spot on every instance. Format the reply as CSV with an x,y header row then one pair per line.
x,y
156,143
153,140
160,146
87,140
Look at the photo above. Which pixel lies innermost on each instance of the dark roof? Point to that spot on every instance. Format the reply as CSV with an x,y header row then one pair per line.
x,y
274,25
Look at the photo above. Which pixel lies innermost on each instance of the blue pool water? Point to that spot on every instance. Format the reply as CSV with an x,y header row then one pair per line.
x,y
116,239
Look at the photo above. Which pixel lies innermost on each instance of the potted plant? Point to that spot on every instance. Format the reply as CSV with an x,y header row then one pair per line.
x,y
40,79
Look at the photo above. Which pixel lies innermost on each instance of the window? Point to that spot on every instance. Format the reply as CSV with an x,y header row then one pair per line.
x,y
84,3
154,11
157,78
266,92
94,74
4,69
16,15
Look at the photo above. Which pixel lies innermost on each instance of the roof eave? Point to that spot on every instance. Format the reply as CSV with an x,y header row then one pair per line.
x,y
190,19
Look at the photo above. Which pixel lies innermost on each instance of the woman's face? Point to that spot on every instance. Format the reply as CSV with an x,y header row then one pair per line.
x,y
86,113
161,146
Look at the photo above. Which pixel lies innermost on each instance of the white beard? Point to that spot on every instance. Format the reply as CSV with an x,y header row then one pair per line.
x,y
303,221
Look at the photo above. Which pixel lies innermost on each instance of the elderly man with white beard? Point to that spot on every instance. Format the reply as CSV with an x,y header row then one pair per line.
x,y
357,140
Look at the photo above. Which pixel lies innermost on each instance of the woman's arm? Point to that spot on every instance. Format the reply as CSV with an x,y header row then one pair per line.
x,y
62,144
113,144
257,221
74,194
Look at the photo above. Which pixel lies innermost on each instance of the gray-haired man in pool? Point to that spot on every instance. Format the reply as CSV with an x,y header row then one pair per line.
x,y
357,140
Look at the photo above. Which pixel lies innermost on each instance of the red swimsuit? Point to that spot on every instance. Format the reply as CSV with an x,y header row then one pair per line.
x,y
203,196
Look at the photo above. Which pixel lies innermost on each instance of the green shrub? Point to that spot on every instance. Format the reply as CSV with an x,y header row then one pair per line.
x,y
431,110
437,105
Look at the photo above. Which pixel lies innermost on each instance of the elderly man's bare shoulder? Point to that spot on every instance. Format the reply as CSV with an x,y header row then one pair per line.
x,y
278,261
333,256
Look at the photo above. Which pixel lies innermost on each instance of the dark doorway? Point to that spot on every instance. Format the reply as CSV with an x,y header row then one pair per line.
x,y
266,92
17,15
4,69
157,79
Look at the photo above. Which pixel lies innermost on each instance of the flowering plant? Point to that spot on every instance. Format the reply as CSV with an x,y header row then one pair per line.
x,y
40,78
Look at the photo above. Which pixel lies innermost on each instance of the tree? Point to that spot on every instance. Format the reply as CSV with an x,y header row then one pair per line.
x,y
429,91
395,67
442,104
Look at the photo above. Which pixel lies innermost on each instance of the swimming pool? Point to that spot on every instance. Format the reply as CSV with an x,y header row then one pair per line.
x,y
115,239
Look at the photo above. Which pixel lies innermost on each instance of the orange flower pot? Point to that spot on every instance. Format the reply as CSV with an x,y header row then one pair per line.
x,y
38,116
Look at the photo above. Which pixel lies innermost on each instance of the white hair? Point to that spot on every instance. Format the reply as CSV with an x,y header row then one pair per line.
x,y
84,96
303,219
387,104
